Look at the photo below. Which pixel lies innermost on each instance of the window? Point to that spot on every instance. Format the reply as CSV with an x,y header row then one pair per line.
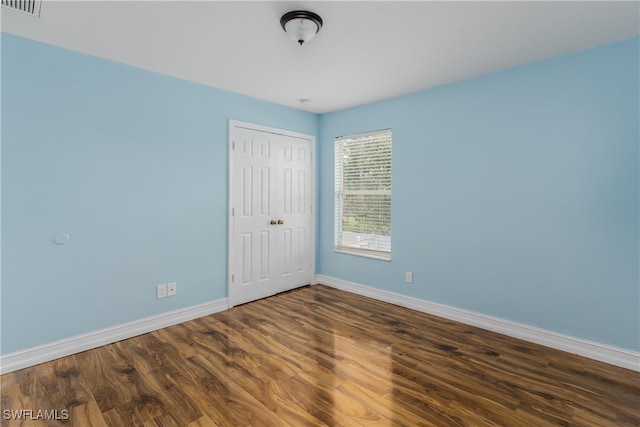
x,y
363,194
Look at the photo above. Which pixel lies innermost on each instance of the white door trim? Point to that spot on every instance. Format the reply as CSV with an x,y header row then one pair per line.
x,y
230,214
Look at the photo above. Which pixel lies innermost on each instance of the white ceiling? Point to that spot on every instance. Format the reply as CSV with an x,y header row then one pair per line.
x,y
366,51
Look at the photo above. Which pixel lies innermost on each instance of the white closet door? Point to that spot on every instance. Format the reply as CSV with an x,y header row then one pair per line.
x,y
271,194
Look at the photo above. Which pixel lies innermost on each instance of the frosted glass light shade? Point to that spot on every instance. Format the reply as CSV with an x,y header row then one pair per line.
x,y
302,26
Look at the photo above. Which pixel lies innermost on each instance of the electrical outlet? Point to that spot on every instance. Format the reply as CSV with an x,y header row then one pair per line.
x,y
408,277
171,289
161,291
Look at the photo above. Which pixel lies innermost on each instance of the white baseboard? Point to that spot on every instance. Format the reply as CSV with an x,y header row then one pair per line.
x,y
615,356
46,352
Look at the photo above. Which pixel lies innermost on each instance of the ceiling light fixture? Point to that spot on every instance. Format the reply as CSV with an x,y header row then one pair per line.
x,y
301,25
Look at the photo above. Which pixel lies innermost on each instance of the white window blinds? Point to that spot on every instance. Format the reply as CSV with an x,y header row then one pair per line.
x,y
363,194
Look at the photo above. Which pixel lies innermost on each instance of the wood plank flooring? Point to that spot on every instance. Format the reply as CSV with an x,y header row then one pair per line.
x,y
320,356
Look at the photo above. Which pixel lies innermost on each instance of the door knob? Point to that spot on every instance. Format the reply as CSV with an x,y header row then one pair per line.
x,y
273,222
280,222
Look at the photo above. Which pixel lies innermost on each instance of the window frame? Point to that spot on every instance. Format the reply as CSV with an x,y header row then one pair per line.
x,y
340,192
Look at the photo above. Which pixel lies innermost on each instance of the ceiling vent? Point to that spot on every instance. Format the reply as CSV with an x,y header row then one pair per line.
x,y
32,7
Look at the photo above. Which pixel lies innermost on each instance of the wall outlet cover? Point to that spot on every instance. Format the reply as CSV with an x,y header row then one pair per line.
x,y
171,289
161,291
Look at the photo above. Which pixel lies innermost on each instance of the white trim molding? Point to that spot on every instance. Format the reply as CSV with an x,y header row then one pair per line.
x,y
615,356
44,353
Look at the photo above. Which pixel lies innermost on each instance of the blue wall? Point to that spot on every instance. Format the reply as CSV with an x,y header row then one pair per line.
x,y
132,165
514,195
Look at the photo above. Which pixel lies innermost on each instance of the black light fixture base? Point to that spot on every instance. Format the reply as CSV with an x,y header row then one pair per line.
x,y
297,14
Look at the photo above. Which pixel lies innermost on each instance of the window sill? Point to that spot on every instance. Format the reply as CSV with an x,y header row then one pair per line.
x,y
365,254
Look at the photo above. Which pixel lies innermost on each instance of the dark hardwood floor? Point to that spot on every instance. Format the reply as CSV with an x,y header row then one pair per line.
x,y
320,356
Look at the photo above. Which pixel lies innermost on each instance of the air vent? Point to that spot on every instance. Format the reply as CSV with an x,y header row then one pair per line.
x,y
32,7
